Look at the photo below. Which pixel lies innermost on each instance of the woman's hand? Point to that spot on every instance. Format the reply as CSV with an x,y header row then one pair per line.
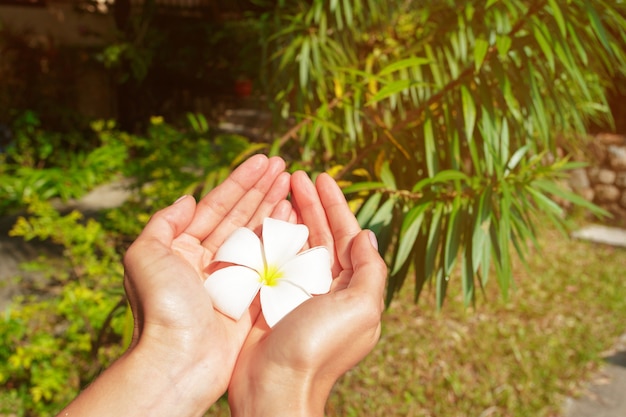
x,y
290,369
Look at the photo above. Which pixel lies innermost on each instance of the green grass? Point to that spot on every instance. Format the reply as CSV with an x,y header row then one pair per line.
x,y
519,357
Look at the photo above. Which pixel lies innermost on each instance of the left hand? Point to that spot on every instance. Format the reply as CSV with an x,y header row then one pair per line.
x,y
183,351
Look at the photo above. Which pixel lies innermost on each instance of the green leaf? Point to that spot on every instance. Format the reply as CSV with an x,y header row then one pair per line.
x,y
467,276
430,150
552,188
304,59
558,16
453,236
545,46
480,52
544,202
408,234
469,112
363,186
386,176
368,209
383,216
516,158
598,27
432,243
403,64
392,89
445,176
503,43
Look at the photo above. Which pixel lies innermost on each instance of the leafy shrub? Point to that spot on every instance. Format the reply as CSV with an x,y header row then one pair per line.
x,y
439,116
73,320
44,164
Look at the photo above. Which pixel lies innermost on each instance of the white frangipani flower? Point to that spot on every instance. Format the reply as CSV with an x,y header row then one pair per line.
x,y
285,278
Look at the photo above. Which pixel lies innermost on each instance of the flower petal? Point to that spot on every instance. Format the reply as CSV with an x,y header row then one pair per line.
x,y
279,300
310,271
282,240
243,247
232,289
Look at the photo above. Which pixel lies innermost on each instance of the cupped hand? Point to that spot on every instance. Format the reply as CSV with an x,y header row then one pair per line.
x,y
176,325
291,368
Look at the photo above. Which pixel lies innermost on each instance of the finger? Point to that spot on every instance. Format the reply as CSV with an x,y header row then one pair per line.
x,y
242,212
168,223
275,199
220,201
310,211
283,211
369,268
343,224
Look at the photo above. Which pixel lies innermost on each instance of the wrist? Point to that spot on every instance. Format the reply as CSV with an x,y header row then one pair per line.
x,y
278,393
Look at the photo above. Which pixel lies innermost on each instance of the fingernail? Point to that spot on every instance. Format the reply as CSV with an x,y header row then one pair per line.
x,y
180,199
373,239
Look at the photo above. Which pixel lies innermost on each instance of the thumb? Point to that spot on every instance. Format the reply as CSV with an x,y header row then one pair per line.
x,y
369,269
166,224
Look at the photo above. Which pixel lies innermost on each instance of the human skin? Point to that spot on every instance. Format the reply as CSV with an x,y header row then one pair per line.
x,y
289,370
183,351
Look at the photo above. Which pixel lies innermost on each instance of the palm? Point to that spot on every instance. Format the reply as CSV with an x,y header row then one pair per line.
x,y
165,288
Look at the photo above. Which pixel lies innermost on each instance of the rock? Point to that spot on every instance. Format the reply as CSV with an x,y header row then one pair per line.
x,y
593,173
611,139
622,200
601,175
602,234
605,193
587,193
606,176
617,157
620,179
578,179
597,153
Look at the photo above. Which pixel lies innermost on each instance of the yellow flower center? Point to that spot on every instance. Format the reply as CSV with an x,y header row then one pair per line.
x,y
271,275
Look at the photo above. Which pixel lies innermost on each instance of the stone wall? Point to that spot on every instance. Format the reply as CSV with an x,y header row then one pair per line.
x,y
604,180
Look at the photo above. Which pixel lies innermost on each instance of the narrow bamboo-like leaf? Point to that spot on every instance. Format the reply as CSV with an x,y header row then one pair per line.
x,y
432,243
486,260
544,45
382,217
445,176
481,46
408,234
598,27
516,158
386,176
544,202
347,7
304,60
467,276
393,88
419,261
441,288
368,209
482,222
558,16
504,273
552,188
453,236
430,148
469,112
503,43
403,64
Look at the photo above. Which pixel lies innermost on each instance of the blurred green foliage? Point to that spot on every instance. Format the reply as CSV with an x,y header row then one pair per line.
x,y
73,320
